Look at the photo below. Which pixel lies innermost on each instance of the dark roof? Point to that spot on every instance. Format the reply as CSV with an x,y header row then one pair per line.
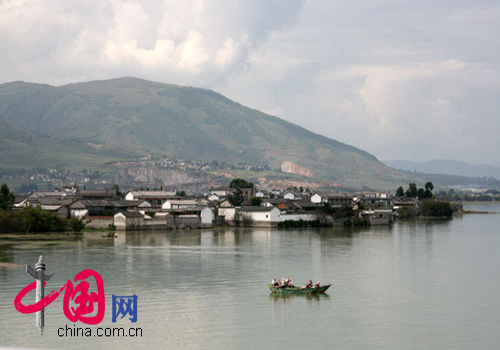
x,y
255,208
84,203
97,193
305,204
333,195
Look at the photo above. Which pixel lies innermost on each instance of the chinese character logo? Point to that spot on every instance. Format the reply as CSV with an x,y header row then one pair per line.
x,y
125,305
79,295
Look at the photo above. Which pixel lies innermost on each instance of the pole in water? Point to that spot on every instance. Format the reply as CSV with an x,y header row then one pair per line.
x,y
38,273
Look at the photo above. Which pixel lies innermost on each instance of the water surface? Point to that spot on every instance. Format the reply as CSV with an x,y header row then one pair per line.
x,y
424,284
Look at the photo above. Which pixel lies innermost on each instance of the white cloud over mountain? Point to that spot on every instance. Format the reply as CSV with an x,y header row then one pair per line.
x,y
401,79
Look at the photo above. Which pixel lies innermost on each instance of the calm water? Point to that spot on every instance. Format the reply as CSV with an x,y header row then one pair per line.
x,y
432,285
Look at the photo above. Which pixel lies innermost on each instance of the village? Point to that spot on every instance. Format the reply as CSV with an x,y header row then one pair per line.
x,y
238,204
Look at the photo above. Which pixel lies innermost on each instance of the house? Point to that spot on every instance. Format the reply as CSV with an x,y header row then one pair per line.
x,y
101,207
291,195
97,194
60,206
214,197
155,198
262,194
257,216
191,217
221,191
127,219
305,206
179,204
374,197
247,192
378,216
335,199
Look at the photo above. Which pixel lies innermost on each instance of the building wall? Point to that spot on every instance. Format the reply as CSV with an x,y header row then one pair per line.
x,y
79,213
316,198
227,213
100,222
207,216
298,217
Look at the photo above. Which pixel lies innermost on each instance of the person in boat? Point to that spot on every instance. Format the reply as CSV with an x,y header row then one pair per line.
x,y
309,284
286,281
274,282
290,283
317,284
283,284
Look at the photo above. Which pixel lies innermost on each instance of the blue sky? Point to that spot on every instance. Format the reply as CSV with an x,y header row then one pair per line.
x,y
413,80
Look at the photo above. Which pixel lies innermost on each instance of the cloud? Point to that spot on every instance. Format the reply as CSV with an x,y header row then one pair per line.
x,y
192,41
401,79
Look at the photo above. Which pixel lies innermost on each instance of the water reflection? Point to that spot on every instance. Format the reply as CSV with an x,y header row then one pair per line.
x,y
284,298
394,287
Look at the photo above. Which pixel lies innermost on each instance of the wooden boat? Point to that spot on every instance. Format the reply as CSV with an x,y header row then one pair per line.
x,y
322,289
293,290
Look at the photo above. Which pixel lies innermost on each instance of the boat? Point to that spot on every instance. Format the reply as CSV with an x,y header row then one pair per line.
x,y
322,289
293,290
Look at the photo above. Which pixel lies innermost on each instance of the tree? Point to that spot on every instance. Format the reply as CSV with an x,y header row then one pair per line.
x,y
236,198
240,183
181,193
412,191
77,224
116,188
255,201
421,193
436,209
7,198
400,192
429,186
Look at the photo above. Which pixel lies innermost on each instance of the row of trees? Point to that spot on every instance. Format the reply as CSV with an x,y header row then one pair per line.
x,y
33,219
414,192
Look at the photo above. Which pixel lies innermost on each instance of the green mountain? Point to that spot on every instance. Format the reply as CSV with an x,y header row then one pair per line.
x,y
23,149
142,117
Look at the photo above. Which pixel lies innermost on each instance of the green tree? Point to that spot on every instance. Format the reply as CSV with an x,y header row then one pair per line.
x,y
421,193
77,224
236,198
38,220
436,209
240,183
400,192
181,193
429,186
6,197
345,211
255,201
412,191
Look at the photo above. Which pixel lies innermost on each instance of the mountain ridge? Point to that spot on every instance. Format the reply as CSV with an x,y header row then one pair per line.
x,y
142,117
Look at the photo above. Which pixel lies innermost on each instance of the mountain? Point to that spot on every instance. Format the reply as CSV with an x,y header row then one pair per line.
x,y
142,117
23,149
448,167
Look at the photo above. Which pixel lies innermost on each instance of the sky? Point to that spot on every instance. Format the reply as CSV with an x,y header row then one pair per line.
x,y
412,80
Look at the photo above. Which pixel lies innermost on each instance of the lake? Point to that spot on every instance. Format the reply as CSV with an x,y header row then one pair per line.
x,y
416,285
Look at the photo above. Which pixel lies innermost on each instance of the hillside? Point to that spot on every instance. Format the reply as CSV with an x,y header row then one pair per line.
x,y
23,149
142,117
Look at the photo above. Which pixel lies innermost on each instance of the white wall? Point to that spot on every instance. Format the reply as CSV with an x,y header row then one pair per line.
x,y
79,213
316,198
207,216
289,196
129,196
228,213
